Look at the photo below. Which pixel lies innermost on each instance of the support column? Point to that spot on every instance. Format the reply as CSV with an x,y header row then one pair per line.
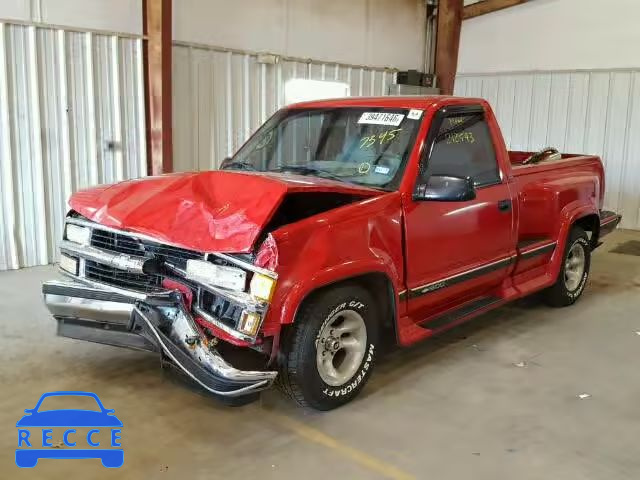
x,y
156,18
448,43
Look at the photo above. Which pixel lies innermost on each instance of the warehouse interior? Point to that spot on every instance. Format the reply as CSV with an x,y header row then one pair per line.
x,y
95,92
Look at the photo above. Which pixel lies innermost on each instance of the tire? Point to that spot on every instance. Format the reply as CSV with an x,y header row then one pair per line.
x,y
313,345
574,272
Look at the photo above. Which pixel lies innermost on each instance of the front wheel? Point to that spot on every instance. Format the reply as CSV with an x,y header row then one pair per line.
x,y
574,271
328,354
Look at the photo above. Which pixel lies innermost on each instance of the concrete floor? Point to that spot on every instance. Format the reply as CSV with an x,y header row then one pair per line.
x,y
494,399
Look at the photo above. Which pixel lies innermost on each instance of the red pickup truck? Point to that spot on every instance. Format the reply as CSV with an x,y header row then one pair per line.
x,y
339,226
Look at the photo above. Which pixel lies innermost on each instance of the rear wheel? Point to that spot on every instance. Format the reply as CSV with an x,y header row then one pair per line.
x,y
328,354
574,271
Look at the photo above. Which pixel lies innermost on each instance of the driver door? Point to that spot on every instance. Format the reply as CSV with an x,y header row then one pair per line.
x,y
458,250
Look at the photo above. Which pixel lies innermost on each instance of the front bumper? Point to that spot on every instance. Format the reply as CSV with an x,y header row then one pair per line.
x,y
157,323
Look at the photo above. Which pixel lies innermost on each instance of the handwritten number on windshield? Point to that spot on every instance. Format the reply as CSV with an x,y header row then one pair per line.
x,y
460,137
381,138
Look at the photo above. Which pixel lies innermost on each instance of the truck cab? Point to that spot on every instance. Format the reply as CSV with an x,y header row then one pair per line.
x,y
339,226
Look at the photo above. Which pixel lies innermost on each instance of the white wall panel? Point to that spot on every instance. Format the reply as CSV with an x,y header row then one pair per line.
x,y
596,115
110,15
539,126
552,35
113,15
71,116
366,32
558,110
630,188
16,9
577,111
220,97
523,100
504,104
592,112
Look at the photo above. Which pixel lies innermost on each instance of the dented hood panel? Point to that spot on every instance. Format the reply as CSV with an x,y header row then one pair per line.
x,y
216,211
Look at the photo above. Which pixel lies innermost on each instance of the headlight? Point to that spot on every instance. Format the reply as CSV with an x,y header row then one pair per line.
x,y
249,323
262,286
222,276
78,234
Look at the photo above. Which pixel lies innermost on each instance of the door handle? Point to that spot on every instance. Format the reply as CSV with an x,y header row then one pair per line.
x,y
504,205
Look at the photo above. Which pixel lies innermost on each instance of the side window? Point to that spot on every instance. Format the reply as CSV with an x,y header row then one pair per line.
x,y
463,148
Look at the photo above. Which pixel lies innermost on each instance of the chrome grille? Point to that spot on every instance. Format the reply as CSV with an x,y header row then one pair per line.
x,y
139,282
122,243
224,310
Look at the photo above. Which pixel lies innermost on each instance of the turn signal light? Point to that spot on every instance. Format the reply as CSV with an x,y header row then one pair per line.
x,y
249,323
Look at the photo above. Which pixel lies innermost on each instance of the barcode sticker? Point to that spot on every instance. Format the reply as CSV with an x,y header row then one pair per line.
x,y
381,118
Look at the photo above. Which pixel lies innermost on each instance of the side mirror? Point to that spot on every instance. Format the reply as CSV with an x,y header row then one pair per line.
x,y
443,188
225,162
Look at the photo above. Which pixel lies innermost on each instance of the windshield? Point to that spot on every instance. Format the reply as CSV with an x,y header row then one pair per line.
x,y
367,146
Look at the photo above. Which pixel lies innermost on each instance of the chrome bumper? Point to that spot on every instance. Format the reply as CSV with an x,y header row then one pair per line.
x,y
158,322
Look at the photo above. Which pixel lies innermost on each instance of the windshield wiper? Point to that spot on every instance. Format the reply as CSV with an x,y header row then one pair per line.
x,y
239,166
305,170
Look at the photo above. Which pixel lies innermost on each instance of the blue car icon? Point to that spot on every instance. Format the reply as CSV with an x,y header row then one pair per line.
x,y
28,453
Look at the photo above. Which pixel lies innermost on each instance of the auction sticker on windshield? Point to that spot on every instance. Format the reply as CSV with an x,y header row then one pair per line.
x,y
381,118
414,114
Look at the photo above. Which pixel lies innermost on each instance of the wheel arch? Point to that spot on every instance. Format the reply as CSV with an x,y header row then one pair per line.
x,y
590,223
373,282
583,215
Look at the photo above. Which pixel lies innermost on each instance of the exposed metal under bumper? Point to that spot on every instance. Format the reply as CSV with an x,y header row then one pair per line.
x,y
106,333
156,323
72,300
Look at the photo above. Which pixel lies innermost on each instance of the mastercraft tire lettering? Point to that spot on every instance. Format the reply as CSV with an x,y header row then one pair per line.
x,y
354,384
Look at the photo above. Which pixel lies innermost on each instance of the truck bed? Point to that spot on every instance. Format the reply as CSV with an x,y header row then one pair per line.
x,y
517,157
546,188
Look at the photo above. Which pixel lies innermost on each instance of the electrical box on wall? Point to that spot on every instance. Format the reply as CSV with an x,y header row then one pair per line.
x,y
413,82
416,78
400,89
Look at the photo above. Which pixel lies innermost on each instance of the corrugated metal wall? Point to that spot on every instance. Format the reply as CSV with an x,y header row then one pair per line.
x,y
71,116
594,112
221,96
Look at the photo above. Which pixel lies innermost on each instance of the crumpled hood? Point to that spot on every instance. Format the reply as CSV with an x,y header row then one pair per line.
x,y
215,211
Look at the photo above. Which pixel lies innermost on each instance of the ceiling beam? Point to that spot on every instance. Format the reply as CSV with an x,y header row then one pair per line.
x,y
488,6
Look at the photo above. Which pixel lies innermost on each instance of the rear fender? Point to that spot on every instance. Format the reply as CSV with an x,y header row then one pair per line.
x,y
569,215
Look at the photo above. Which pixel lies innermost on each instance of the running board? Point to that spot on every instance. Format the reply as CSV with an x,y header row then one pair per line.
x,y
453,316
